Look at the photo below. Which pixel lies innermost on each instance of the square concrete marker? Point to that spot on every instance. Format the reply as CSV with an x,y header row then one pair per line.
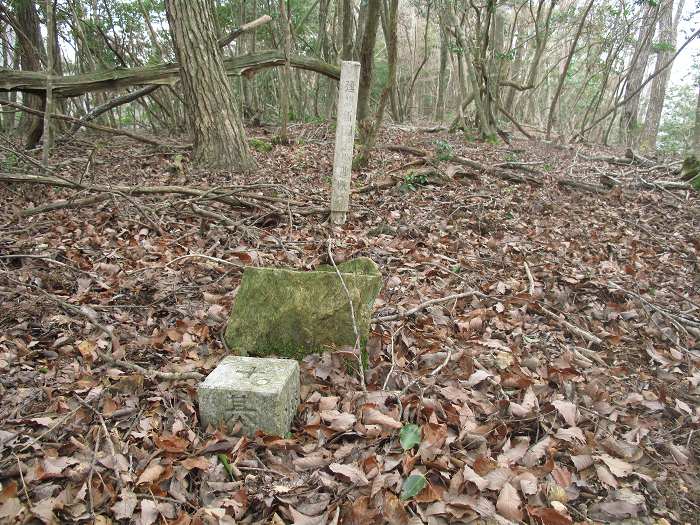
x,y
261,393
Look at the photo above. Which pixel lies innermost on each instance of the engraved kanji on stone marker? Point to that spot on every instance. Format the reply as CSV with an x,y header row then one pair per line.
x,y
239,408
259,393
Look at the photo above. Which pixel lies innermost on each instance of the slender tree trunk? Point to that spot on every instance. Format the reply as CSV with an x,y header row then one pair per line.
x,y
219,137
48,132
666,47
369,39
565,70
442,77
348,23
695,147
629,124
371,130
284,74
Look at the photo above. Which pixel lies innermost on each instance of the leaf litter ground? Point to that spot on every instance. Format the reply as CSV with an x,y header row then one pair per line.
x,y
489,408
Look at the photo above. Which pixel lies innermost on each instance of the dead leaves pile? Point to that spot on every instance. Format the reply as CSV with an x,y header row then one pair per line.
x,y
492,411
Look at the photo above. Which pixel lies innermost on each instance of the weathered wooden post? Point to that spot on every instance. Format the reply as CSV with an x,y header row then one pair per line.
x,y
344,139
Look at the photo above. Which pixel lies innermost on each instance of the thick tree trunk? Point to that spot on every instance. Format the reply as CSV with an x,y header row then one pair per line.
x,y
219,137
665,48
31,49
369,38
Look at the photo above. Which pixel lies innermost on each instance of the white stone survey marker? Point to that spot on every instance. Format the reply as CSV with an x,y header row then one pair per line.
x,y
260,393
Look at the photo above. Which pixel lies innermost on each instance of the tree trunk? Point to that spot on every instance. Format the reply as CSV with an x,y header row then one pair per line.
x,y
665,49
219,137
629,124
371,130
285,77
31,49
695,148
369,38
442,77
565,70
348,21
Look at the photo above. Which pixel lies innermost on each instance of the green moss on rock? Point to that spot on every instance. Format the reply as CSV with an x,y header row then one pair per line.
x,y
259,145
292,314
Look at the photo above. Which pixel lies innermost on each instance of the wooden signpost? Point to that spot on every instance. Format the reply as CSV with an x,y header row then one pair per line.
x,y
344,140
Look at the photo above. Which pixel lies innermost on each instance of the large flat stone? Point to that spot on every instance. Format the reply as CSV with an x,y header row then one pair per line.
x,y
292,314
260,393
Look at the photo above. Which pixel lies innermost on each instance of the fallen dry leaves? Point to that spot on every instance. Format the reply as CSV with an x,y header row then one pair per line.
x,y
525,420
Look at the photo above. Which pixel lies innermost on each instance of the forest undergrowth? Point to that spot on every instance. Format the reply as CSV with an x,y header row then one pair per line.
x,y
560,385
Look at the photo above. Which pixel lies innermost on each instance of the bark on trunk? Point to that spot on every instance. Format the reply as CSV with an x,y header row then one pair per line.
x,y
369,38
31,49
695,149
442,77
219,138
629,124
665,49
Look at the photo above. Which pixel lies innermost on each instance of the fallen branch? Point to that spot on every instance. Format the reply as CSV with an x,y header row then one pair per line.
x,y
90,125
356,349
668,315
108,358
573,328
407,149
413,311
127,190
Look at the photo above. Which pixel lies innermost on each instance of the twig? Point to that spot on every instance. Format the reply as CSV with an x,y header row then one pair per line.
x,y
668,315
573,328
352,315
426,304
51,429
46,258
393,357
176,259
92,470
531,289
107,357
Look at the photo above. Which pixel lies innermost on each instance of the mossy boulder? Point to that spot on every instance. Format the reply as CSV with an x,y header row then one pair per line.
x,y
291,313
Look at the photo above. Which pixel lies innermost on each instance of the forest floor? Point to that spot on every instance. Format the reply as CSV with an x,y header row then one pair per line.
x,y
564,387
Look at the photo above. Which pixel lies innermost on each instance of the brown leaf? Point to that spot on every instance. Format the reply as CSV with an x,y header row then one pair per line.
x,y
124,508
149,512
582,461
338,421
549,516
536,452
172,444
372,416
508,503
199,462
151,473
394,511
353,473
618,467
473,477
434,436
302,519
567,409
